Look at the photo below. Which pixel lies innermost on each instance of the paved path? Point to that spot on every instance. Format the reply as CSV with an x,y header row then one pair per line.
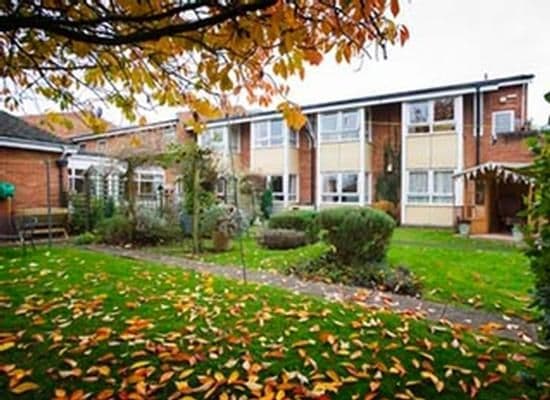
x,y
510,328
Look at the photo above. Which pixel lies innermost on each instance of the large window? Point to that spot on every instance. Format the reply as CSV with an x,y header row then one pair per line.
x,y
503,122
340,187
268,133
431,116
213,139
340,126
430,187
148,184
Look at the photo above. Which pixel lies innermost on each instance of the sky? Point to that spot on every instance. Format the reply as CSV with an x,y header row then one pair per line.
x,y
451,41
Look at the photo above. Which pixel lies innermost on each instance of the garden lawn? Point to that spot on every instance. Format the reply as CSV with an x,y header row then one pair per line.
x,y
483,274
75,323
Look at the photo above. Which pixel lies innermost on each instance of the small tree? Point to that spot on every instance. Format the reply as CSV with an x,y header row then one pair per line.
x,y
198,174
538,237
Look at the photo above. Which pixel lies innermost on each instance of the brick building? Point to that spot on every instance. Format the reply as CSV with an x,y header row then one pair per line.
x,y
26,155
338,158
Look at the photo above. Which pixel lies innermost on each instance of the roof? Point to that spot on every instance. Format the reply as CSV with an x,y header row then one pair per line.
x,y
65,124
15,132
461,88
506,171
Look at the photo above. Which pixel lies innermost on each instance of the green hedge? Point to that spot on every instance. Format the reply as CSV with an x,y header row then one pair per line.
x,y
299,220
359,235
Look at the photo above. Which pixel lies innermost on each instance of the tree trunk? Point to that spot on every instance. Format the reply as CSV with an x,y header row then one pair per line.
x,y
196,205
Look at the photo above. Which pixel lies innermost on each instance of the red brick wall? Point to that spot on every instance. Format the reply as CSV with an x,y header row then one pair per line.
x,y
305,159
386,129
512,148
245,146
27,171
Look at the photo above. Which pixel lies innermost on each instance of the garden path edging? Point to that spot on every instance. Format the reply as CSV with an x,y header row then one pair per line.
x,y
510,327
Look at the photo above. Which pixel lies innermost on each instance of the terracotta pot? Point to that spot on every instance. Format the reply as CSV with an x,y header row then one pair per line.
x,y
221,241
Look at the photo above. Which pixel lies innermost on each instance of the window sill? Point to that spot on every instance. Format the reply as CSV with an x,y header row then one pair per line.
x,y
325,141
429,204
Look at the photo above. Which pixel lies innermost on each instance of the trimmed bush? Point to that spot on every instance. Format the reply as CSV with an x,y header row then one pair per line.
x,y
298,220
359,235
282,238
85,238
115,230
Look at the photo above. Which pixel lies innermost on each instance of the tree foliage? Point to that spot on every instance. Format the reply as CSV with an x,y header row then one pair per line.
x,y
136,54
539,229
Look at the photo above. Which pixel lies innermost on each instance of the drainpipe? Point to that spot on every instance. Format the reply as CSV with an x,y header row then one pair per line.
x,y
478,124
311,137
61,163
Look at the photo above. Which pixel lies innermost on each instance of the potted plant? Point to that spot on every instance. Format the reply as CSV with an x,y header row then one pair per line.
x,y
464,227
222,224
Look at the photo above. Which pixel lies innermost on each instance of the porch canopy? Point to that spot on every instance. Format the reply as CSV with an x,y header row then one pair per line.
x,y
502,171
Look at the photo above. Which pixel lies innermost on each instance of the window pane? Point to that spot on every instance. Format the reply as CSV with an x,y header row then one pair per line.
x,y
350,121
292,138
444,109
503,122
261,134
350,199
292,187
78,185
349,183
443,182
276,133
146,188
418,113
277,184
329,122
330,183
235,138
367,188
418,182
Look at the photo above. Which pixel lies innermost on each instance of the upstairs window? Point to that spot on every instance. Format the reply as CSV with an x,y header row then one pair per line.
x,y
503,122
213,139
339,126
235,138
101,146
268,133
169,135
431,116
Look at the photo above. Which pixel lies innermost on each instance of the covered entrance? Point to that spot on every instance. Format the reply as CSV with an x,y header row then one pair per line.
x,y
495,194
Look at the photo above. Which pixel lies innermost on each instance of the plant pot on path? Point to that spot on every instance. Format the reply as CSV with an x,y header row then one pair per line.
x,y
221,241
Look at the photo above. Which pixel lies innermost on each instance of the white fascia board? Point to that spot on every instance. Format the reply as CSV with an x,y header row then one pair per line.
x,y
32,145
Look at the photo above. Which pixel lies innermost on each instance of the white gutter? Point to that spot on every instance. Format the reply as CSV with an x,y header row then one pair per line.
x,y
36,145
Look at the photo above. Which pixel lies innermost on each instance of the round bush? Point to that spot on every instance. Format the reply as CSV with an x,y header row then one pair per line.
x,y
298,220
358,234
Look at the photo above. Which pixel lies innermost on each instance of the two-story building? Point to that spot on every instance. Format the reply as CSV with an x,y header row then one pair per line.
x,y
336,159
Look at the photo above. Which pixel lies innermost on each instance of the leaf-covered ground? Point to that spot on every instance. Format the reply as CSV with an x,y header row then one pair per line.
x,y
483,274
76,324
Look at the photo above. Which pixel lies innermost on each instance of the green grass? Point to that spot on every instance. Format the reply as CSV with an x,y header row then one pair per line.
x,y
491,275
485,274
85,321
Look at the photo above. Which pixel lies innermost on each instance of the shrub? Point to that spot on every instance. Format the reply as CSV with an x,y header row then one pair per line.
x,y
85,238
386,206
153,229
358,235
115,230
226,219
298,220
83,215
266,203
373,275
282,238
538,231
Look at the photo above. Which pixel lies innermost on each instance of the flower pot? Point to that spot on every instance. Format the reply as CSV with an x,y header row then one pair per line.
x,y
221,241
464,228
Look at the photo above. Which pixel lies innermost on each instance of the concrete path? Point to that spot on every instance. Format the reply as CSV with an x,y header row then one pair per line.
x,y
506,327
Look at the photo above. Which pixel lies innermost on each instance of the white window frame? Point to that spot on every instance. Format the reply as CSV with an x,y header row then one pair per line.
x,y
73,177
502,112
431,122
169,135
431,194
138,179
280,195
340,194
206,141
269,138
340,134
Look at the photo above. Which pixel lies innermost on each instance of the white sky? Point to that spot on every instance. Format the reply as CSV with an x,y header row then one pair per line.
x,y
452,41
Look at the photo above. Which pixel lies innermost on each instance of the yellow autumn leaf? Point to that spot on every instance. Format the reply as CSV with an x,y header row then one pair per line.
x,y
6,346
24,387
